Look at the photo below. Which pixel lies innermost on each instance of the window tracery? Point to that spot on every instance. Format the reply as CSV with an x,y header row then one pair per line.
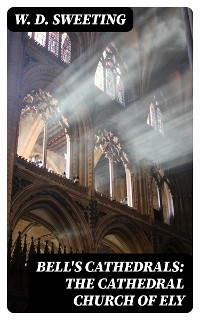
x,y
53,43
45,105
108,76
65,48
155,117
58,44
110,146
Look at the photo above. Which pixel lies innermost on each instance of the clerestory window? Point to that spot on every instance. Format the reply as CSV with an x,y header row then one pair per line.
x,y
58,43
155,118
108,76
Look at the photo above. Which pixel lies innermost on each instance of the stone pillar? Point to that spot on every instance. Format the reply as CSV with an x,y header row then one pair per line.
x,y
135,189
149,186
14,72
67,157
90,161
160,198
129,188
44,154
111,172
140,190
74,142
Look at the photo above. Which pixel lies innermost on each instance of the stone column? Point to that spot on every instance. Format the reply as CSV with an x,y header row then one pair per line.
x,y
90,161
14,73
67,157
44,154
160,198
129,188
111,173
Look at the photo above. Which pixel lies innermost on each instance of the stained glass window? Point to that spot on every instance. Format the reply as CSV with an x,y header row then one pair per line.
x,y
53,43
159,120
154,118
99,77
65,48
119,90
40,37
108,76
110,83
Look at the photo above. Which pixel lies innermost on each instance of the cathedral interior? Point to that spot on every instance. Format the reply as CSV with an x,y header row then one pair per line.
x,y
100,151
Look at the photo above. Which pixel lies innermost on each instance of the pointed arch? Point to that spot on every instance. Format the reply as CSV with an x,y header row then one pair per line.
x,y
122,228
54,209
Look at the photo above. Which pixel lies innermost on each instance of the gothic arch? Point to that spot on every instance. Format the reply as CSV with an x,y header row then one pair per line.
x,y
53,208
126,230
173,245
63,87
